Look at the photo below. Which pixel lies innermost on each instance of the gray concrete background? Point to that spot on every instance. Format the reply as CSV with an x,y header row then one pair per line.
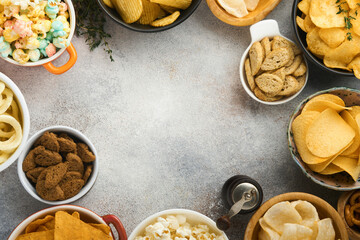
x,y
170,120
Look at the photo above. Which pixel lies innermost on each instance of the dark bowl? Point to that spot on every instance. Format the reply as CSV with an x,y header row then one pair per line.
x,y
301,38
184,14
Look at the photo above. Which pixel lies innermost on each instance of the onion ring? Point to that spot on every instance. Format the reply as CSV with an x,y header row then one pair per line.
x,y
348,216
354,197
4,133
15,140
5,104
3,157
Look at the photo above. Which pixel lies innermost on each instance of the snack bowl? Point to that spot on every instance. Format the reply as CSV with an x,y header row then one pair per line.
x,y
339,181
258,31
324,209
47,62
262,10
301,38
192,217
342,202
184,14
72,133
86,215
25,117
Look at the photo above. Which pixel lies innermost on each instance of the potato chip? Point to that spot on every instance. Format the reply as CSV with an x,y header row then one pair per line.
x,y
308,24
301,23
169,9
150,12
266,232
33,226
281,213
108,3
349,165
296,232
322,105
352,123
166,20
68,227
324,13
354,111
182,4
328,134
304,6
341,56
43,235
306,210
331,169
299,127
319,167
329,97
315,44
355,66
129,10
326,229
355,21
333,37
353,3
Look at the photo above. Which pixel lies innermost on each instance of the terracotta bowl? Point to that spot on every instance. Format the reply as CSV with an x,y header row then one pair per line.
x,y
262,10
339,181
324,209
343,200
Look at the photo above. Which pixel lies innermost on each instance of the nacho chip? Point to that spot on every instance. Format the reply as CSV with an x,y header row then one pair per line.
x,y
349,165
33,226
281,213
354,124
44,235
129,10
333,37
150,12
50,225
182,4
76,215
102,227
328,134
166,20
315,44
323,13
67,227
42,228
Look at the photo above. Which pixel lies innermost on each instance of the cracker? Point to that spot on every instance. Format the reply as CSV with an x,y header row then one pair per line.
x,y
256,54
277,59
301,70
49,141
249,76
292,68
270,84
290,86
84,153
262,96
265,42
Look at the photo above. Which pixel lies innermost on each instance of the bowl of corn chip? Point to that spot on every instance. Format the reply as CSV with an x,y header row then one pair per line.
x,y
149,15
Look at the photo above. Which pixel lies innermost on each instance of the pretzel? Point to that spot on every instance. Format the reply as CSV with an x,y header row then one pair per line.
x,y
348,216
352,214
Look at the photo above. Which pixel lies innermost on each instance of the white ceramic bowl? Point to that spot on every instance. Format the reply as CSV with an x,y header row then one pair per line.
x,y
47,62
85,215
192,217
73,133
25,119
258,31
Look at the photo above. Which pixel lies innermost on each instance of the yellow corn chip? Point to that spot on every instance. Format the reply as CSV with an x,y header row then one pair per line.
x,y
33,226
44,235
166,20
76,215
104,228
42,228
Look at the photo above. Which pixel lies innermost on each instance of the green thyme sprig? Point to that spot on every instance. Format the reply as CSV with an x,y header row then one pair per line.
x,y
90,23
348,26
341,10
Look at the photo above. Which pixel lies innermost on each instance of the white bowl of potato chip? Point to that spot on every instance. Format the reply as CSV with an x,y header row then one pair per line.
x,y
17,125
272,69
324,140
296,215
177,223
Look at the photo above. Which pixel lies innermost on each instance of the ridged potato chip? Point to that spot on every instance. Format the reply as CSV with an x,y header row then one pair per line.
x,y
150,12
166,20
333,37
315,44
129,10
108,3
182,4
328,134
324,13
169,9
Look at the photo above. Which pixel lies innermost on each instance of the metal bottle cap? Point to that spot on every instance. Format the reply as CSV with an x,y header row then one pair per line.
x,y
238,192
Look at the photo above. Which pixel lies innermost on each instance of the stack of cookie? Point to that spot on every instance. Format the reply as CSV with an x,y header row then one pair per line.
x,y
58,166
275,69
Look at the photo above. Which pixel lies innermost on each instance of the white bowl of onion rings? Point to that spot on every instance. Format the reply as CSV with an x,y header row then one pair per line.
x,y
14,122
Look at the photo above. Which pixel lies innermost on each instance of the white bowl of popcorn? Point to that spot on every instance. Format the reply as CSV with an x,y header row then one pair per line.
x,y
177,224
